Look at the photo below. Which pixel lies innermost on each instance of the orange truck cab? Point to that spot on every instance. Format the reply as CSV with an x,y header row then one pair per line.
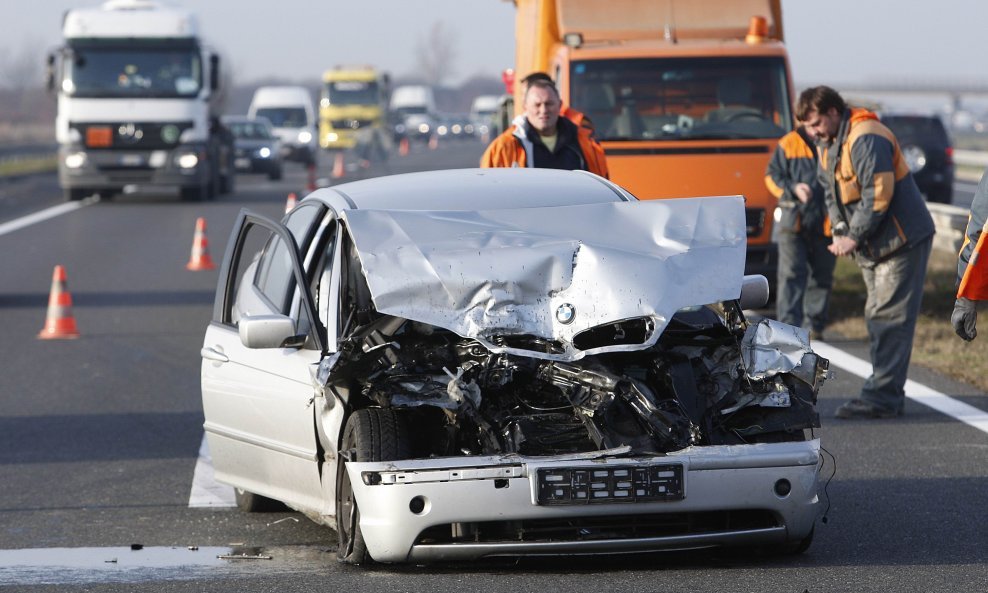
x,y
687,97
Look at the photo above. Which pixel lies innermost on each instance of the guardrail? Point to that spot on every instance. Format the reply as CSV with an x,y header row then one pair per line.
x,y
973,158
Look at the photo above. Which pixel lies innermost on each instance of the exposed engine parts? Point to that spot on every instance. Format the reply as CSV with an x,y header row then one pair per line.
x,y
707,381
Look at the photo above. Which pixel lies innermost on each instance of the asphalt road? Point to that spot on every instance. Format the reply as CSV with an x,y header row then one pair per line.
x,y
99,439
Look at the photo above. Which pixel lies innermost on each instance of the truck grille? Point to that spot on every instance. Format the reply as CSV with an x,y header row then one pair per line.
x,y
131,135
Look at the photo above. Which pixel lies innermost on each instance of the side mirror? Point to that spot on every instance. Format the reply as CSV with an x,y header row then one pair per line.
x,y
754,292
214,72
269,331
50,73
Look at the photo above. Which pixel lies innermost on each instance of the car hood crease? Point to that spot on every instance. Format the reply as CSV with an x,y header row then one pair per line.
x,y
483,274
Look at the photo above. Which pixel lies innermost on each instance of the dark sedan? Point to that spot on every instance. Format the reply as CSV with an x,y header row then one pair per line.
x,y
928,151
257,149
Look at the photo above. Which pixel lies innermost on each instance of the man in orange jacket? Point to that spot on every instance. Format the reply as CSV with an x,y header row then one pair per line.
x,y
541,139
972,266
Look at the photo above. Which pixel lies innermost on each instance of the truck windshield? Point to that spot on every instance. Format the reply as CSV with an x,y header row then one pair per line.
x,y
351,92
683,98
132,70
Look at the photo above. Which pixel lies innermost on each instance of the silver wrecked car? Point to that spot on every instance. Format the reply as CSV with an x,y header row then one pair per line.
x,y
471,363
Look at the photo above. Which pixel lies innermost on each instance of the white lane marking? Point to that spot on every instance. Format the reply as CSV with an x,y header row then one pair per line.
x,y
206,491
918,392
19,223
971,187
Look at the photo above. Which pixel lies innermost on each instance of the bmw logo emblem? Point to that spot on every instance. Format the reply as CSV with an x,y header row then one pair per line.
x,y
565,313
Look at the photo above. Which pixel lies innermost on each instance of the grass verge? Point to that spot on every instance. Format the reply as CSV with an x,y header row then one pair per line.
x,y
935,346
27,165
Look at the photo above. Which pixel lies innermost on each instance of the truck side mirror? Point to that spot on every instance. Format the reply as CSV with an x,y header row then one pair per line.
x,y
214,72
50,73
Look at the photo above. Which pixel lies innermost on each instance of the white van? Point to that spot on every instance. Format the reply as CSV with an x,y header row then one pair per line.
x,y
292,114
415,107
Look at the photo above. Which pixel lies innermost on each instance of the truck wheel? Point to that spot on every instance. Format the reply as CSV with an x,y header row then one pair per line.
x,y
372,434
194,194
275,173
227,184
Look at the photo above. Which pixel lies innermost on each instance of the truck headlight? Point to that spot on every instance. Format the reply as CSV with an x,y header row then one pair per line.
x,y
264,152
187,160
75,160
423,128
304,137
332,136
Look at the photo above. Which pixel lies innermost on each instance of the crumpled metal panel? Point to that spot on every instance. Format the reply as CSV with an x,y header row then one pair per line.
x,y
770,347
506,272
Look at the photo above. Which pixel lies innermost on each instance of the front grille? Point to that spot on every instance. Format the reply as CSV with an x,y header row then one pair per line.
x,y
131,135
353,124
754,221
599,528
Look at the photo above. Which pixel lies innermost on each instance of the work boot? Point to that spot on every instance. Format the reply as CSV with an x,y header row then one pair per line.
x,y
859,408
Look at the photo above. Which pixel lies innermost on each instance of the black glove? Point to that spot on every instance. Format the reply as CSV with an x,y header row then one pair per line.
x,y
965,318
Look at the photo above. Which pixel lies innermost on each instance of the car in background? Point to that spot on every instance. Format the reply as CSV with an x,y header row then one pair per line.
x,y
256,148
928,151
470,363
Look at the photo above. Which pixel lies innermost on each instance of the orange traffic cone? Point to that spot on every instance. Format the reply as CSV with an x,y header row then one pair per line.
x,y
403,147
60,324
433,142
200,259
338,171
312,178
290,203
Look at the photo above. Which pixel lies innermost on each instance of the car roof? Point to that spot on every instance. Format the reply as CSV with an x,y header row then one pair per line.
x,y
473,189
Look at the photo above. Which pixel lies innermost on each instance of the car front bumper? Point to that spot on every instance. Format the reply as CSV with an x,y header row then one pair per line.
x,y
467,508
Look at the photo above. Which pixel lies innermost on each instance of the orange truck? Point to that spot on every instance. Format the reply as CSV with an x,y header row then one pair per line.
x,y
687,97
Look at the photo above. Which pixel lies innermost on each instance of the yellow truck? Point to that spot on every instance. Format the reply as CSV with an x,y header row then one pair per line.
x,y
687,97
353,108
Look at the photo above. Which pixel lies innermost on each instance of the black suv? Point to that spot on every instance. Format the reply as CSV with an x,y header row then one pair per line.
x,y
926,147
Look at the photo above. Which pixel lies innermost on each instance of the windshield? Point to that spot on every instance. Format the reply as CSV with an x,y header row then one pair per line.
x,y
683,98
250,130
412,110
284,117
907,127
351,92
129,70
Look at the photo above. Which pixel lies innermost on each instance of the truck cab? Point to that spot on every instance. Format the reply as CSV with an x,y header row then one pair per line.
x,y
686,98
137,103
352,107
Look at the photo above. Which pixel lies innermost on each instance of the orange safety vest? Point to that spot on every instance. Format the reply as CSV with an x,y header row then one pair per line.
x,y
974,284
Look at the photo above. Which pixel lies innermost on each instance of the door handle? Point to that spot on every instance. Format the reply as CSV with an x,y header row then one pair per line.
x,y
210,353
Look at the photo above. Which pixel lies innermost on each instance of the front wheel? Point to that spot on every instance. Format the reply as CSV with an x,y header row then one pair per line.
x,y
249,502
76,194
372,434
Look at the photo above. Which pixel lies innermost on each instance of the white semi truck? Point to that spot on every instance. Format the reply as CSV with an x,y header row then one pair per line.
x,y
138,103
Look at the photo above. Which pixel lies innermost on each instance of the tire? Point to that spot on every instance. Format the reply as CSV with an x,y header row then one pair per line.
x,y
793,548
372,434
194,194
76,194
275,173
249,502
227,184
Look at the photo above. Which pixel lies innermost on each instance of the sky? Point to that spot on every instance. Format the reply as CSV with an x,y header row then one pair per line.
x,y
839,42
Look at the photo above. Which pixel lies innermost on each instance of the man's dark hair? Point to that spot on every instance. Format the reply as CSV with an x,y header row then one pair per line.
x,y
819,99
541,84
528,80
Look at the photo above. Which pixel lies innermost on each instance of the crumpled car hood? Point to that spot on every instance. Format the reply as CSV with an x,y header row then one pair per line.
x,y
483,274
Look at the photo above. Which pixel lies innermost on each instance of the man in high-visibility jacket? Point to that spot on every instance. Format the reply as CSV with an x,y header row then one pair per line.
x,y
972,266
540,138
877,216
